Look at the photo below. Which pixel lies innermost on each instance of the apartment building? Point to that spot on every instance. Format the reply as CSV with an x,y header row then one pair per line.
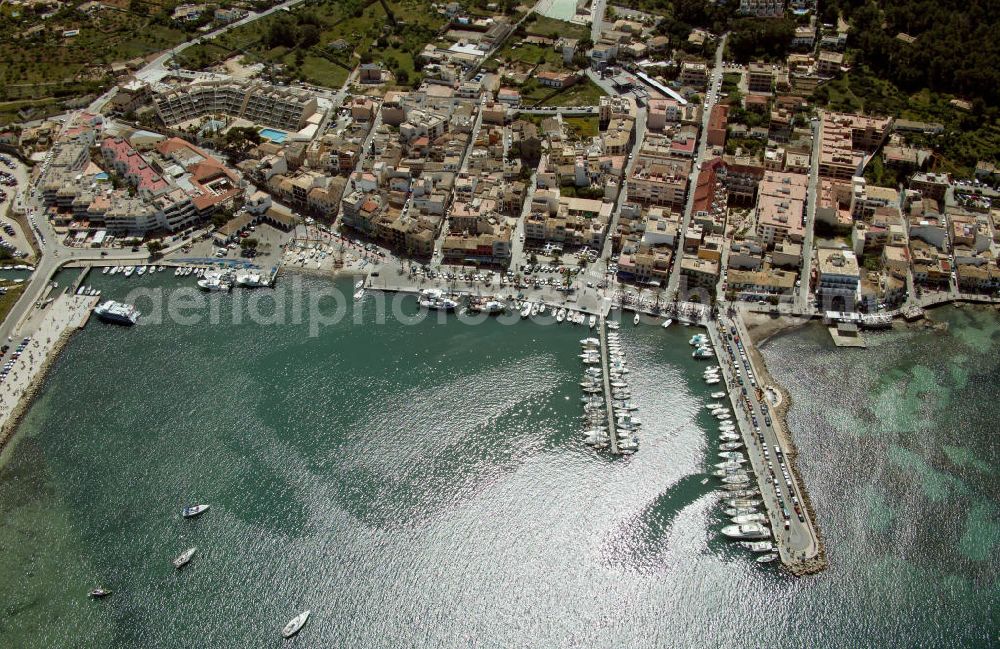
x,y
260,103
760,78
762,8
780,207
694,74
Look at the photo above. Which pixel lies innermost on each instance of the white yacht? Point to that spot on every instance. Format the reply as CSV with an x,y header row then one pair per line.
x,y
592,321
194,510
744,519
117,312
184,558
526,310
250,279
748,531
560,315
295,624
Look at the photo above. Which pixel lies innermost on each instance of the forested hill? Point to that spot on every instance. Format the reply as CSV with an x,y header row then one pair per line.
x,y
957,46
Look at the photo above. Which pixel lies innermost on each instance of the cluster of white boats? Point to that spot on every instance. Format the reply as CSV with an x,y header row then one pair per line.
x,y
741,501
712,375
208,279
128,271
627,422
192,511
702,347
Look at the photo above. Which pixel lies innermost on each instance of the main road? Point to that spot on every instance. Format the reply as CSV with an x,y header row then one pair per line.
x,y
711,97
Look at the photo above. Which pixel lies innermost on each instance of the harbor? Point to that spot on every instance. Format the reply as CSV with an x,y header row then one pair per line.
x,y
337,507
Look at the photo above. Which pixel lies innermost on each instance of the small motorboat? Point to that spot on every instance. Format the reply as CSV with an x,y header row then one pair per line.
x,y
667,323
635,320
184,558
295,624
767,558
194,510
98,593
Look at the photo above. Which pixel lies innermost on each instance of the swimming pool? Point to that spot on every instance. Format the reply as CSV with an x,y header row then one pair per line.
x,y
271,134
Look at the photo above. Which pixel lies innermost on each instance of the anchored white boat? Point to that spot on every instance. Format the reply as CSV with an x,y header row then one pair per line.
x,y
184,558
295,624
194,510
560,315
667,323
635,320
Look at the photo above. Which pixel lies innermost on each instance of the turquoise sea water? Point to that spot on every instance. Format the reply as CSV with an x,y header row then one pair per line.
x,y
426,486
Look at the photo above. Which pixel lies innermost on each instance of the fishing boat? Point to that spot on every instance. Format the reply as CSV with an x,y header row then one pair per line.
x,y
295,624
194,510
737,479
758,546
740,511
98,593
184,558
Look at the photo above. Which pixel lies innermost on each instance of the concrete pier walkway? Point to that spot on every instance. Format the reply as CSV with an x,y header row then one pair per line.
x,y
794,534
606,375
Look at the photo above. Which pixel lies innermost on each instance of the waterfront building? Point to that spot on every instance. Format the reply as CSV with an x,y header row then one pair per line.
x,y
837,276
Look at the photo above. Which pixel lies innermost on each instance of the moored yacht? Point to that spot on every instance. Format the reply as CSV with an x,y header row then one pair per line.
x,y
748,531
117,312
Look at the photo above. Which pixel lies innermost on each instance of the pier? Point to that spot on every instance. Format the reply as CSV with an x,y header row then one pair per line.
x,y
798,545
606,376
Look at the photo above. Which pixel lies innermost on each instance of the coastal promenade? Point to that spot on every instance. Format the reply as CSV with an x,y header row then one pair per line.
x,y
769,450
49,330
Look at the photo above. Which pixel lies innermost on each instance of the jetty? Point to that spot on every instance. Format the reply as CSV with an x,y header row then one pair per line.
x,y
787,505
606,376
